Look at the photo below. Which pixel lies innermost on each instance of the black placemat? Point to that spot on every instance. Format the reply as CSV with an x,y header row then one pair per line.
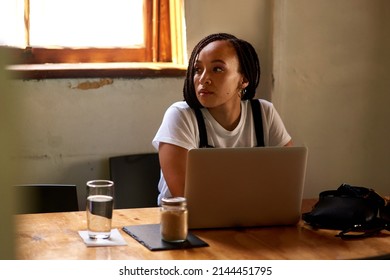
x,y
149,236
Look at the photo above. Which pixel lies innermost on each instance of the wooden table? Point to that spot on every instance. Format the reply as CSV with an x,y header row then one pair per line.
x,y
55,236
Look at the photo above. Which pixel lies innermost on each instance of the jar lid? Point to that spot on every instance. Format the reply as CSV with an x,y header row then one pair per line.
x,y
174,201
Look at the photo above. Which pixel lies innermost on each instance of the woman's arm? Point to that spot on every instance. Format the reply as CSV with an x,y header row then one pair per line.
x,y
173,160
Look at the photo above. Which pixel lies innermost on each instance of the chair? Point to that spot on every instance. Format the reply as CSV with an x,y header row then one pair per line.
x,y
136,178
46,198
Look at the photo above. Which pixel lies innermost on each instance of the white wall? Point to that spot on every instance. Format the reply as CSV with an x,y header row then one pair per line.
x,y
329,60
68,134
332,63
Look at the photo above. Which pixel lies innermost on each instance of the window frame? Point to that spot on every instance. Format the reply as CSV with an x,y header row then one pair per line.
x,y
163,54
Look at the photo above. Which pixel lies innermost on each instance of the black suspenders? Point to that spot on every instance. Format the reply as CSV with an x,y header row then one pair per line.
x,y
256,113
202,130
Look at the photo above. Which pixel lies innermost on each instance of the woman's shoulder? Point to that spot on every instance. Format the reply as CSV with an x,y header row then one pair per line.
x,y
180,105
265,104
179,109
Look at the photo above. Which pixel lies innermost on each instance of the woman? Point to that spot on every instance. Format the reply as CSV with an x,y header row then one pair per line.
x,y
222,78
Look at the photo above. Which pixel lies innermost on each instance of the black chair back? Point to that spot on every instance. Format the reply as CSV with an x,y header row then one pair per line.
x,y
46,198
136,179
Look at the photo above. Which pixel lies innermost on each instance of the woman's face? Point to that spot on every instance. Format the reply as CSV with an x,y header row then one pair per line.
x,y
217,79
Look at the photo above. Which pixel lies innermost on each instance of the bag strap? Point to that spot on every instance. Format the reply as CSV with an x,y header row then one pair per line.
x,y
363,231
367,193
257,119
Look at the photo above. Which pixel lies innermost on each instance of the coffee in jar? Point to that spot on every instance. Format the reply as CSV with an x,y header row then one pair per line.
x,y
174,219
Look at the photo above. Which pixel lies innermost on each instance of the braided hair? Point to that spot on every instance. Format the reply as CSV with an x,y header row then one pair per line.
x,y
248,60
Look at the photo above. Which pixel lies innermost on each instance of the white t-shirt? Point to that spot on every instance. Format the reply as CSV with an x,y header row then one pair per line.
x,y
179,127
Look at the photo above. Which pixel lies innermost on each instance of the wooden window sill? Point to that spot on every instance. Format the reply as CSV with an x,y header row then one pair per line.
x,y
95,70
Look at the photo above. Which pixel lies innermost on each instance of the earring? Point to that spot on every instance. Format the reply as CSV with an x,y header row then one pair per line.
x,y
241,93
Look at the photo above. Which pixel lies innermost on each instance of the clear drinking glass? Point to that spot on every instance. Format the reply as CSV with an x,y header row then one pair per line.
x,y
100,203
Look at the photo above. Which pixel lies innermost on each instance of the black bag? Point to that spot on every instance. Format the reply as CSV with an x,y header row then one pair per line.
x,y
356,211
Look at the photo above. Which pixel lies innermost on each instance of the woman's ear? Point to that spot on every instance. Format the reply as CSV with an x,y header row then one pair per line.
x,y
244,82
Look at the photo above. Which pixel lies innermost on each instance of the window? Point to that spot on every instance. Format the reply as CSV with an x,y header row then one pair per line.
x,y
64,38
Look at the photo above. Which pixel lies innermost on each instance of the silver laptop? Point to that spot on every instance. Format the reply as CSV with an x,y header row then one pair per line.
x,y
245,187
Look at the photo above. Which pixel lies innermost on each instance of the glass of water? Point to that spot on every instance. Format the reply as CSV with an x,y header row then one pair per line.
x,y
100,204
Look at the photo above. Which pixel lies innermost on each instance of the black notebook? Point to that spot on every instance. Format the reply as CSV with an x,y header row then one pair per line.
x,y
149,236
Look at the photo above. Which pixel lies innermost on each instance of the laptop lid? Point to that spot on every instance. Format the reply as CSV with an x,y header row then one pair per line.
x,y
245,187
